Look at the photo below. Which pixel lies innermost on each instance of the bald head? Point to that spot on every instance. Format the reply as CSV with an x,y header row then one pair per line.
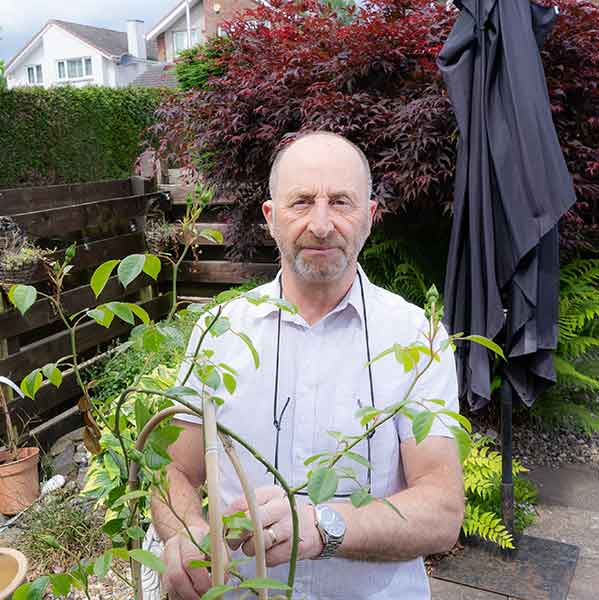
x,y
322,149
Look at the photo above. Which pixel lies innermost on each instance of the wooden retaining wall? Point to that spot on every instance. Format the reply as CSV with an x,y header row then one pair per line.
x,y
107,221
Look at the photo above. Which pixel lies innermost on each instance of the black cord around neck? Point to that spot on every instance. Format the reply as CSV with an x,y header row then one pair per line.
x,y
277,419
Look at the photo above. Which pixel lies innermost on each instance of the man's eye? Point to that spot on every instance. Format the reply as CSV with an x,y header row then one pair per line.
x,y
341,201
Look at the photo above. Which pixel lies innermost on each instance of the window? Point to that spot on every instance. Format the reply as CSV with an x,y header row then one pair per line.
x,y
34,74
74,68
180,39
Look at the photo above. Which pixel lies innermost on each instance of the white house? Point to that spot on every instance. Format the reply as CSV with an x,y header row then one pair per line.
x,y
70,53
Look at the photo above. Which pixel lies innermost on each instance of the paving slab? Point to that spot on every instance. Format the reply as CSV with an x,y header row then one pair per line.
x,y
585,584
446,590
570,526
575,486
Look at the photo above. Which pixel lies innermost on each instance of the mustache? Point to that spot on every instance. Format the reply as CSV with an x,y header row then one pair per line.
x,y
311,242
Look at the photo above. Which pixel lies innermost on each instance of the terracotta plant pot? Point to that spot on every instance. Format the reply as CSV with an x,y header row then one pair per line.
x,y
19,480
13,569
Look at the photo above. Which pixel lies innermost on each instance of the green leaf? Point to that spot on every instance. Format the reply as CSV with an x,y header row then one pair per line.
x,y
61,584
101,315
209,376
102,275
52,374
152,340
315,457
358,458
148,560
22,297
229,383
37,588
367,414
31,383
21,592
238,520
216,592
136,533
217,400
461,419
152,266
142,413
121,553
421,425
199,564
122,311
131,496
361,498
220,326
212,235
113,526
140,312
263,583
462,440
130,268
487,343
102,564
251,348
322,485
181,390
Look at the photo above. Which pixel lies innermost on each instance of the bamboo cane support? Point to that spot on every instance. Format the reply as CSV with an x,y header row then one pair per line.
x,y
248,491
215,521
133,484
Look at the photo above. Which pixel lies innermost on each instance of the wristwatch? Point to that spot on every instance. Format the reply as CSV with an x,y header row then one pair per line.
x,y
331,526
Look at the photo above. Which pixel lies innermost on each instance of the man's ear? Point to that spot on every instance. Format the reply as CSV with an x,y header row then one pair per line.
x,y
372,204
268,210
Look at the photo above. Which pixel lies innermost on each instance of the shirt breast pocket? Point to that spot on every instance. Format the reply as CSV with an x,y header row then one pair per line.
x,y
344,428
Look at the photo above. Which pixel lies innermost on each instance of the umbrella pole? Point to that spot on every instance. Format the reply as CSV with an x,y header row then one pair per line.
x,y
507,481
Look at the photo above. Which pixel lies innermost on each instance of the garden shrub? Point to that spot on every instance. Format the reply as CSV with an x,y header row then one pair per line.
x,y
68,134
292,66
195,66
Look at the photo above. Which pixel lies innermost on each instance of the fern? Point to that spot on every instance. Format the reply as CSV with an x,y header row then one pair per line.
x,y
391,264
571,402
482,484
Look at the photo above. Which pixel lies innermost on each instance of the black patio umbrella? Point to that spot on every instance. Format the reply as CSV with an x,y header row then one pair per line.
x,y
512,186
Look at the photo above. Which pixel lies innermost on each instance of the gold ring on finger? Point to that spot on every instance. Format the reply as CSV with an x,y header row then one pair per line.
x,y
273,536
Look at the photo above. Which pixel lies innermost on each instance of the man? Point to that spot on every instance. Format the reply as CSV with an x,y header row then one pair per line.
x,y
311,380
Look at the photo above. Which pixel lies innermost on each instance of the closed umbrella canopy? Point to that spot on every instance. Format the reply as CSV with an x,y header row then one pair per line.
x,y
512,186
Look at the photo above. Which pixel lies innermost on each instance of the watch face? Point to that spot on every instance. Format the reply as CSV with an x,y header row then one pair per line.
x,y
332,522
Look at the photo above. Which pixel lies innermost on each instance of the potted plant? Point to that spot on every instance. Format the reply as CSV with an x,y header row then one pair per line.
x,y
160,235
19,481
19,261
10,232
13,568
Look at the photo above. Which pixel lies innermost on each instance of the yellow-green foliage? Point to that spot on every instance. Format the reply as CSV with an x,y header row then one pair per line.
x,y
482,484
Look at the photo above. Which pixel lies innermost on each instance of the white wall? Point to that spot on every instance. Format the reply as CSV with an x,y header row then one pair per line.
x,y
58,44
18,77
197,22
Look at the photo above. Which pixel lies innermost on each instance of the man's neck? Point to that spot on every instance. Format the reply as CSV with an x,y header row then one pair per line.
x,y
314,300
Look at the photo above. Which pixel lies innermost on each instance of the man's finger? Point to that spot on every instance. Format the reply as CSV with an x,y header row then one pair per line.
x,y
270,513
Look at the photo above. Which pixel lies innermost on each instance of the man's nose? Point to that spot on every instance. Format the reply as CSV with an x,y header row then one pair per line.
x,y
321,224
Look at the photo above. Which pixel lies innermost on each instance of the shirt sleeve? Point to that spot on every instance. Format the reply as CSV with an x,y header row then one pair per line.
x,y
438,383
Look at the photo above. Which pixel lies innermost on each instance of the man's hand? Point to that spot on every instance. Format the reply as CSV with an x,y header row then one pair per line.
x,y
181,581
275,515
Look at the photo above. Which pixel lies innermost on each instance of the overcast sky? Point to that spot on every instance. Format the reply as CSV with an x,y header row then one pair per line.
x,y
20,20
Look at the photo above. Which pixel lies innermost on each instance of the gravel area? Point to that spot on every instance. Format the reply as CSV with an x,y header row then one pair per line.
x,y
535,447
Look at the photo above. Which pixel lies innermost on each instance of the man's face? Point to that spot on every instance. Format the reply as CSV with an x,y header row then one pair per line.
x,y
320,216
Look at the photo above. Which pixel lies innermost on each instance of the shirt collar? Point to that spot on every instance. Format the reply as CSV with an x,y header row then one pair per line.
x,y
353,297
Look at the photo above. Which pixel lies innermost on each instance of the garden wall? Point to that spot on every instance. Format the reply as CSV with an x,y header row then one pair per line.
x,y
67,134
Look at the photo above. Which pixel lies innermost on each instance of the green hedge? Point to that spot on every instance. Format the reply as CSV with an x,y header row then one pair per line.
x,y
66,134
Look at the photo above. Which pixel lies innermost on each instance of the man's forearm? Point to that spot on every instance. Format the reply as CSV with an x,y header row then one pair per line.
x,y
185,507
432,523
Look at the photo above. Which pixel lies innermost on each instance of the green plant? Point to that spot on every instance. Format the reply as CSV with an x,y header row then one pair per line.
x,y
392,264
572,402
64,517
482,484
3,84
22,257
197,65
